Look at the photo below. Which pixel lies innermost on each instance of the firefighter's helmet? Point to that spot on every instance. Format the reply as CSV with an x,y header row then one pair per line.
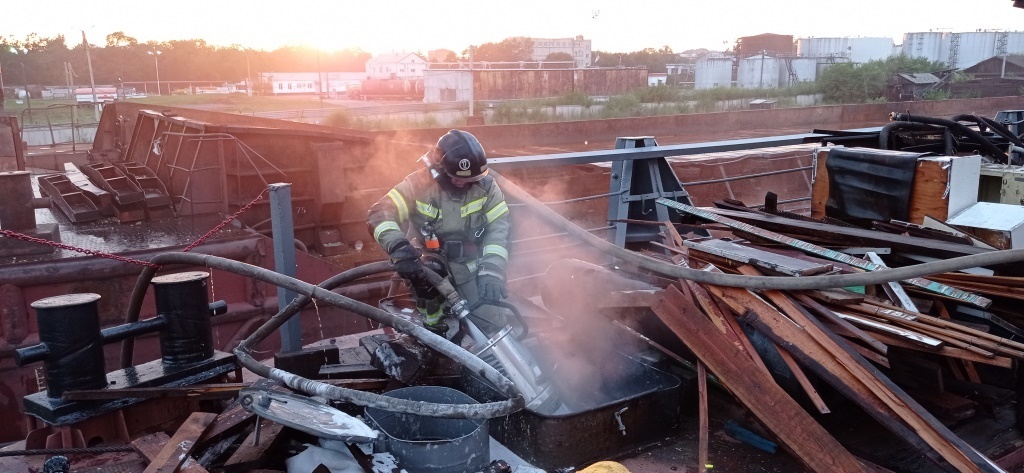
x,y
461,156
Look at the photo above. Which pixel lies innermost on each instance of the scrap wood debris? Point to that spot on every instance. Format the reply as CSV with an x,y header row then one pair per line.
x,y
906,353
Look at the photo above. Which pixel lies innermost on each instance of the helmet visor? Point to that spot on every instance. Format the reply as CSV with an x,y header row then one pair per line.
x,y
461,181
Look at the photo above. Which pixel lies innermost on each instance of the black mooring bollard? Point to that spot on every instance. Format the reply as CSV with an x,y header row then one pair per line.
x,y
71,345
183,302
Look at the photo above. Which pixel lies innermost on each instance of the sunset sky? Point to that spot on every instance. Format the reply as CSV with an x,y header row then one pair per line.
x,y
400,25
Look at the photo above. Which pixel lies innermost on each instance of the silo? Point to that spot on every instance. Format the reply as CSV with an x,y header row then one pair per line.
x,y
711,72
929,45
759,72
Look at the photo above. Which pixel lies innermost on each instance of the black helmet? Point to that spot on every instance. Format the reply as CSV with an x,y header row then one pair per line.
x,y
461,156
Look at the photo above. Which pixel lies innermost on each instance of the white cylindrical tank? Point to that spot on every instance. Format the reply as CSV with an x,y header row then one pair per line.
x,y
759,72
804,69
859,50
711,72
928,45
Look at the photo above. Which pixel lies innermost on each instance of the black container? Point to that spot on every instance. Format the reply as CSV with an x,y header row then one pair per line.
x,y
644,410
183,301
69,327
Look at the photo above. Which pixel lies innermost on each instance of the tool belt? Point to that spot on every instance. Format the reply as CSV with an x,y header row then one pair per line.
x,y
459,249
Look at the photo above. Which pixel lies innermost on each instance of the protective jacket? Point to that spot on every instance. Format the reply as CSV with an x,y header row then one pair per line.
x,y
475,221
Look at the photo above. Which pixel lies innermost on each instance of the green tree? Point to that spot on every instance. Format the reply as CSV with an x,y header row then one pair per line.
x,y
859,83
508,50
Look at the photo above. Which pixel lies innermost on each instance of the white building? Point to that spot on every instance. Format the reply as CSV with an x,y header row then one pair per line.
x,y
396,66
577,47
330,83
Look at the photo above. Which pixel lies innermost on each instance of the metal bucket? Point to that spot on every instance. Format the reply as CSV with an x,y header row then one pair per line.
x,y
430,444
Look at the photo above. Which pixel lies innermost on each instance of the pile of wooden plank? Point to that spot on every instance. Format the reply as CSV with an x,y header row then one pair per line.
x,y
918,356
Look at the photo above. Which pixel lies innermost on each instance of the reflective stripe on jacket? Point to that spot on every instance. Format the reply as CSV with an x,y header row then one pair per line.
x,y
480,216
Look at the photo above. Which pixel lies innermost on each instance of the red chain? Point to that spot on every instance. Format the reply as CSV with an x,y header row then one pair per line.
x,y
19,236
226,221
124,259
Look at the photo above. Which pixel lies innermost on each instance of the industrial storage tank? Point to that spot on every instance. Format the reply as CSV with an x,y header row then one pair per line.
x,y
799,69
859,50
928,45
759,72
711,72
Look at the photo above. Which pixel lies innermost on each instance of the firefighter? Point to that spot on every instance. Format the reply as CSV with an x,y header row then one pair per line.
x,y
451,217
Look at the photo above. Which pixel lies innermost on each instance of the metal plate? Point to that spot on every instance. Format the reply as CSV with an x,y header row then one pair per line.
x,y
306,415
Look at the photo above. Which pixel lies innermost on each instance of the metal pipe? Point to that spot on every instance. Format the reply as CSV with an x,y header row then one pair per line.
x,y
362,398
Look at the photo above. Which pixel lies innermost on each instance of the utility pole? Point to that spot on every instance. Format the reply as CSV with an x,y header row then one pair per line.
x,y
92,81
248,75
471,81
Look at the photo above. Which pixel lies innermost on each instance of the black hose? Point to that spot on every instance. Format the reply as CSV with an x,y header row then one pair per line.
x,y
970,117
784,283
1001,130
992,149
134,308
361,398
888,128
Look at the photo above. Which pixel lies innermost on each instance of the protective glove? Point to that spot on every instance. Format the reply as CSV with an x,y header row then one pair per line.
x,y
490,283
405,259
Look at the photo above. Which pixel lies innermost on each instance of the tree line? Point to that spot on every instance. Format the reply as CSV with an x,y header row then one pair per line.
x,y
42,60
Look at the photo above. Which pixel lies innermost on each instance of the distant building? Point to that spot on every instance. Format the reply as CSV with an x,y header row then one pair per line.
x,y
396,66
906,87
440,55
998,66
577,47
771,44
657,78
289,83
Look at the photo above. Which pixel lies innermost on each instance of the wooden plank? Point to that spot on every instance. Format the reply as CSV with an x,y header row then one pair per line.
x,y
838,296
829,315
958,335
181,443
864,264
798,373
702,406
853,375
783,416
853,235
626,299
726,324
759,258
234,417
250,455
910,336
805,383
149,447
196,391
947,351
893,288
969,371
